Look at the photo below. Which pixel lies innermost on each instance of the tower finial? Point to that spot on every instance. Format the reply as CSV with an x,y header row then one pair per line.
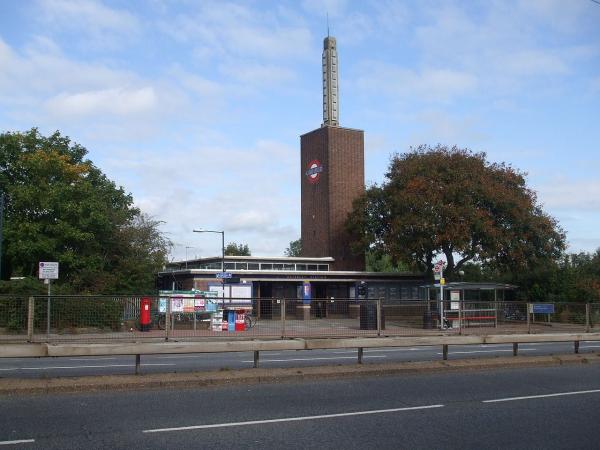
x,y
330,82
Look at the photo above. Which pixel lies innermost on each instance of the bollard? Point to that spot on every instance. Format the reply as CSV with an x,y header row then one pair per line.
x,y
515,348
137,364
528,318
360,355
576,347
256,359
445,352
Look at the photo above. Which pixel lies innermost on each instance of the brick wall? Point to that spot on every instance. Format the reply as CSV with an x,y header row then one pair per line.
x,y
326,203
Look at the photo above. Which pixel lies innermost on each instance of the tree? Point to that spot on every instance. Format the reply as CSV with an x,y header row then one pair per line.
x,y
452,202
233,249
60,207
295,248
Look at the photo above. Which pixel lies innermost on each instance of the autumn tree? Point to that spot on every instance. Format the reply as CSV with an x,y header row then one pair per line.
x,y
61,207
453,202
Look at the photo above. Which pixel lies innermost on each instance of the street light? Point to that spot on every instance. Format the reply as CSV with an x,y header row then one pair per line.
x,y
202,230
222,233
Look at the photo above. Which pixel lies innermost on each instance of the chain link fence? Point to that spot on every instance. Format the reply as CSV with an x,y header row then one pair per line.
x,y
101,318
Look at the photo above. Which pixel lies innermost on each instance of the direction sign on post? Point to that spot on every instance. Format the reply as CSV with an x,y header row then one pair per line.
x,y
223,275
48,271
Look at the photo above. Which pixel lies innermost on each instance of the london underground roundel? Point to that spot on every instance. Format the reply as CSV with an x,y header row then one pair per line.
x,y
313,172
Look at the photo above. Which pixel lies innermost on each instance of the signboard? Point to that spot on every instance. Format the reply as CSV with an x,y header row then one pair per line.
x,y
454,300
313,171
542,308
306,292
48,271
437,276
223,275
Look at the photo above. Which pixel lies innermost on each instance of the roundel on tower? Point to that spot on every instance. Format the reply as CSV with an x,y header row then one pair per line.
x,y
313,172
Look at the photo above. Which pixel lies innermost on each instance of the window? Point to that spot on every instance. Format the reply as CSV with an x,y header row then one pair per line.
x,y
266,266
300,266
277,266
312,267
288,267
241,266
323,267
253,266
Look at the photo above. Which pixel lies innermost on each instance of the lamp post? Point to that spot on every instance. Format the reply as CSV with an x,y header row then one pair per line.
x,y
202,230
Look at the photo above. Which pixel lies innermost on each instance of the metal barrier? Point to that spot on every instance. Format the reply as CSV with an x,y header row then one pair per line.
x,y
109,318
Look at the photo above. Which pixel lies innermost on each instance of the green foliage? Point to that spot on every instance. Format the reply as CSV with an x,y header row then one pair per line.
x,y
233,249
452,202
378,262
295,248
60,207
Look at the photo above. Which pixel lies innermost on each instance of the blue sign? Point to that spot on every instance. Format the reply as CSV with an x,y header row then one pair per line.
x,y
223,275
306,293
542,308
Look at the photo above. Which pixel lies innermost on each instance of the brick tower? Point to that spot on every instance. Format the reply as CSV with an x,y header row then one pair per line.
x,y
332,171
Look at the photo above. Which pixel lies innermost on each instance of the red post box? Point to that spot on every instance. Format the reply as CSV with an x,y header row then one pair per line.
x,y
240,322
145,314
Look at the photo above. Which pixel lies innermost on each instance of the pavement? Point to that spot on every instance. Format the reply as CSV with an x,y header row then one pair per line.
x,y
18,386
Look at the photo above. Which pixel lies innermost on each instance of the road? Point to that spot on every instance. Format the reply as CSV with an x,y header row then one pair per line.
x,y
105,365
550,408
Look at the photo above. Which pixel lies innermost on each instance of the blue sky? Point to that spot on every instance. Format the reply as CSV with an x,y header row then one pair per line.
x,y
196,107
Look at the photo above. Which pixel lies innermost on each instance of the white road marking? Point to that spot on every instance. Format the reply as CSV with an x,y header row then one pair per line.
x,y
292,419
315,359
491,351
408,349
82,367
528,397
91,359
20,441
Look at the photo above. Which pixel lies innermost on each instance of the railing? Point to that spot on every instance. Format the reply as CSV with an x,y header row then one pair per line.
x,y
110,318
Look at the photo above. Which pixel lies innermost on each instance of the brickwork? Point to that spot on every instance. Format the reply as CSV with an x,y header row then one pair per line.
x,y
327,202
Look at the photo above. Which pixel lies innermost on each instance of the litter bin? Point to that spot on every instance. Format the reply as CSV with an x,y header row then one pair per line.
x,y
368,317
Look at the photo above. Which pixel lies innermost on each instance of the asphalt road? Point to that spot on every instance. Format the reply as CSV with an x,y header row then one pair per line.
x,y
550,408
112,365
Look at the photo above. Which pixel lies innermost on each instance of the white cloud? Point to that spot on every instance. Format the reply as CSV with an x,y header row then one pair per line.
x,y
95,23
568,194
439,85
119,101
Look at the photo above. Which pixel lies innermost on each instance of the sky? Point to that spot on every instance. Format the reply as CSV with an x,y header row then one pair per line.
x,y
196,107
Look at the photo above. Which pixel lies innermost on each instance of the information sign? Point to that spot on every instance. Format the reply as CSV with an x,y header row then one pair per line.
x,y
542,308
223,275
48,271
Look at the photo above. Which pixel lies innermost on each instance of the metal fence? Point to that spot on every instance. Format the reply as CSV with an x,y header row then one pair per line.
x,y
101,318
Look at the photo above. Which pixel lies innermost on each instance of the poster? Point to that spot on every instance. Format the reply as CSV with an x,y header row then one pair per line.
x,y
177,304
162,305
188,305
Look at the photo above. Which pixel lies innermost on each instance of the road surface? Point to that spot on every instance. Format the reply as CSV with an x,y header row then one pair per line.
x,y
550,408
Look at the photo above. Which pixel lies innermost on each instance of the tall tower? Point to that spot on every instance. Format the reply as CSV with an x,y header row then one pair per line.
x,y
332,171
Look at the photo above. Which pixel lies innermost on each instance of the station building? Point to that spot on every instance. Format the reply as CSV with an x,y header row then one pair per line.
x,y
332,178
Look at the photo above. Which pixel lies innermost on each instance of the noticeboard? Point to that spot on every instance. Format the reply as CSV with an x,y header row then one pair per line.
x,y
48,270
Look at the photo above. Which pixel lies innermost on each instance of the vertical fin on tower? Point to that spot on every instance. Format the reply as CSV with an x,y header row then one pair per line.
x,y
330,82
